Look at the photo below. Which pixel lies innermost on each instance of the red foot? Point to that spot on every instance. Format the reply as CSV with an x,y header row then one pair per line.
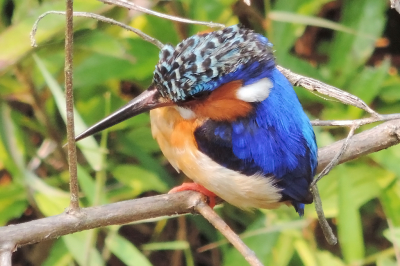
x,y
196,187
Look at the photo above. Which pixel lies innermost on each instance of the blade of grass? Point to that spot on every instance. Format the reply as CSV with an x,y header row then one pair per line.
x,y
88,146
349,220
290,17
125,250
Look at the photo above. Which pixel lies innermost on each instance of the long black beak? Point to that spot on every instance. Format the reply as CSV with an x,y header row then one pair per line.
x,y
147,100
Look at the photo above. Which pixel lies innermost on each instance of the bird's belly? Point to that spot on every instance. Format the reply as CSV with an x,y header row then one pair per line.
x,y
175,137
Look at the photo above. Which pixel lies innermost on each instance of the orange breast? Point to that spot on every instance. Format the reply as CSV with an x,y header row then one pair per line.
x,y
176,139
175,136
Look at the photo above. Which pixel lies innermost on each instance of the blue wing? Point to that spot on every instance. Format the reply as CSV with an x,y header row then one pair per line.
x,y
276,139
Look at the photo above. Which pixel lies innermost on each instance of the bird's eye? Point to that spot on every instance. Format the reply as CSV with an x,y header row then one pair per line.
x,y
198,96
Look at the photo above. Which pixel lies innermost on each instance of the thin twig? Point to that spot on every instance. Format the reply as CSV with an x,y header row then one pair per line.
x,y
326,229
316,85
360,122
369,141
221,226
337,157
69,39
129,5
141,34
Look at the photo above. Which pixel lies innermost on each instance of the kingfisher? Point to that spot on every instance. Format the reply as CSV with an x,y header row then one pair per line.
x,y
224,115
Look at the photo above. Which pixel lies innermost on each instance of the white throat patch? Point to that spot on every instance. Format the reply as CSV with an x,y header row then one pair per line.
x,y
185,113
256,92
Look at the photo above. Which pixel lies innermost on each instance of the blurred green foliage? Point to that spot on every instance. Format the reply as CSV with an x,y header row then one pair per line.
x,y
361,198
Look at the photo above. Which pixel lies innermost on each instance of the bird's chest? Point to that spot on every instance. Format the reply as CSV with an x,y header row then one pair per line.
x,y
176,139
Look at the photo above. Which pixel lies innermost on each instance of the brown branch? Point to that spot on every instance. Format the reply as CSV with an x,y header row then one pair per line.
x,y
369,141
320,87
94,217
6,250
69,95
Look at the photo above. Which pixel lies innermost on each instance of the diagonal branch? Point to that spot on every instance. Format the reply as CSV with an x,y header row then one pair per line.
x,y
369,141
318,86
221,226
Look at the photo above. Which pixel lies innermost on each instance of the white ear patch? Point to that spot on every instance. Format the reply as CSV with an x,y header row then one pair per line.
x,y
256,92
185,113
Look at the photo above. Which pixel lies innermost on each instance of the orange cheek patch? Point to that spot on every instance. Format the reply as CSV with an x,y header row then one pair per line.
x,y
222,104
183,134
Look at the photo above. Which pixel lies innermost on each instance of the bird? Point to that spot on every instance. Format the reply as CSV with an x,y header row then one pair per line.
x,y
224,115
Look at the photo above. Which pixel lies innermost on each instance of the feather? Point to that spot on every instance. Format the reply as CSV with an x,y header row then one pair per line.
x,y
276,139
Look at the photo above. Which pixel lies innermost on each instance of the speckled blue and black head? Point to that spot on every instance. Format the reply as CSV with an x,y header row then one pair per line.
x,y
201,63
206,61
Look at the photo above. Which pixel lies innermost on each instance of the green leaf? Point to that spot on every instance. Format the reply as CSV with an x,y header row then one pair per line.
x,y
327,258
389,159
51,205
307,255
262,245
59,255
291,17
368,84
126,251
11,142
360,177
14,41
12,139
74,244
131,148
173,245
393,235
386,261
390,199
283,250
98,41
349,221
88,186
13,202
139,179
348,52
144,138
88,146
390,92
284,35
